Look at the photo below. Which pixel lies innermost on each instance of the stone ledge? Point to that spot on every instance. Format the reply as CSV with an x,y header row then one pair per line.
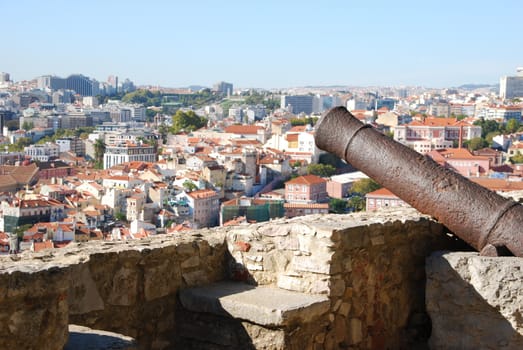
x,y
267,306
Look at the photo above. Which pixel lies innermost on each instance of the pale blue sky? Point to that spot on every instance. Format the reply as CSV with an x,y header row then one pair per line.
x,y
268,44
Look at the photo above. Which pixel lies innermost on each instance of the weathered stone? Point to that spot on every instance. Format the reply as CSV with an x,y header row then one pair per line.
x,y
480,294
319,263
193,261
274,230
195,278
161,280
378,240
355,331
254,267
260,305
345,309
292,283
337,287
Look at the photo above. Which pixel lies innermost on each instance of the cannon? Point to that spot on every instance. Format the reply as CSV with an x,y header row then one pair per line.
x,y
488,222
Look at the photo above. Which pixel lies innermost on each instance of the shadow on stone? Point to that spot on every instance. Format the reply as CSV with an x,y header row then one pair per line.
x,y
474,302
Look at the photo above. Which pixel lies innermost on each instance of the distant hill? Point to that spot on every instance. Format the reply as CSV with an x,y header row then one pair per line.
x,y
477,86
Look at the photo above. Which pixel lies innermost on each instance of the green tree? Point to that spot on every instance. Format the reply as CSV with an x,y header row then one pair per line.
x,y
364,186
356,203
337,205
487,126
516,159
19,231
476,143
27,125
512,126
189,186
20,144
323,170
99,150
187,121
490,136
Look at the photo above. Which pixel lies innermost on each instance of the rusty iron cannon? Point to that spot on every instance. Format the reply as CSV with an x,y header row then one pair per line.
x,y
485,220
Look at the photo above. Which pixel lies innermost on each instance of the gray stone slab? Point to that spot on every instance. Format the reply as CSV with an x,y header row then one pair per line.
x,y
262,305
84,338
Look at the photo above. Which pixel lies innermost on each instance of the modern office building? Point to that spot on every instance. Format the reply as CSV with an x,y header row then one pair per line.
x,y
223,88
297,104
81,84
511,87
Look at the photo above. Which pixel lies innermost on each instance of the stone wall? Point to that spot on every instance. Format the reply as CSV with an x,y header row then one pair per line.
x,y
125,287
371,266
475,302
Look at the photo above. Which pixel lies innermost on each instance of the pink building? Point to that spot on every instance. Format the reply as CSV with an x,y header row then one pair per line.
x,y
461,161
306,189
300,209
435,133
382,198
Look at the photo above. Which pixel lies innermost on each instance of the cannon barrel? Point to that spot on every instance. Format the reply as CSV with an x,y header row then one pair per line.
x,y
485,220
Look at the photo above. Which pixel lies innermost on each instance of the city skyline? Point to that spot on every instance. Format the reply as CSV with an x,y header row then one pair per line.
x,y
264,45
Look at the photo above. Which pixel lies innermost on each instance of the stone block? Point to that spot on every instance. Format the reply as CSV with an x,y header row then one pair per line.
x,y
267,306
474,301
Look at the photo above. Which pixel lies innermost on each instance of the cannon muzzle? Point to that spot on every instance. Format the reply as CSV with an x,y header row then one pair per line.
x,y
488,222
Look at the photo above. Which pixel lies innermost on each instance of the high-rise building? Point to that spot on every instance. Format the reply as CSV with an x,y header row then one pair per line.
x,y
297,104
511,87
4,77
223,88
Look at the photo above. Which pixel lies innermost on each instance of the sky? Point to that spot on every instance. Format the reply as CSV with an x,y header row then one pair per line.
x,y
264,43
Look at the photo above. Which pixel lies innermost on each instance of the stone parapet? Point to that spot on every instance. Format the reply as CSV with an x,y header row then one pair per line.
x,y
369,266
475,302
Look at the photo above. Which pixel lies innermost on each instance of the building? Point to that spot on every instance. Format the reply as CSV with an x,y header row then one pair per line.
x,y
306,189
71,144
128,152
339,186
204,207
42,152
435,133
382,198
223,88
297,104
300,209
253,209
501,113
82,85
461,161
511,86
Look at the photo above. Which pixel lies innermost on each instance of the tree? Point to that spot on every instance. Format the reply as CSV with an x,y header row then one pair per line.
x,y
512,126
27,125
20,144
487,126
476,143
364,186
99,150
516,159
490,137
322,170
356,203
189,186
187,121
337,205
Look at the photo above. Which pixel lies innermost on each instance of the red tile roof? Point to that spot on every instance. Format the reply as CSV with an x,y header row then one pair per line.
x,y
306,180
243,129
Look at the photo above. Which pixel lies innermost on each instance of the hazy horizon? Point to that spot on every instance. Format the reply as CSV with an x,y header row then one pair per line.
x,y
264,45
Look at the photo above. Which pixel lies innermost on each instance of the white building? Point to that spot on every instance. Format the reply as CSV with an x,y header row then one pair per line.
x,y
511,87
128,152
42,153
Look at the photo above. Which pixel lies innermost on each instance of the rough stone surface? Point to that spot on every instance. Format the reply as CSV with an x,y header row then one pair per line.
x,y
369,266
475,302
266,306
